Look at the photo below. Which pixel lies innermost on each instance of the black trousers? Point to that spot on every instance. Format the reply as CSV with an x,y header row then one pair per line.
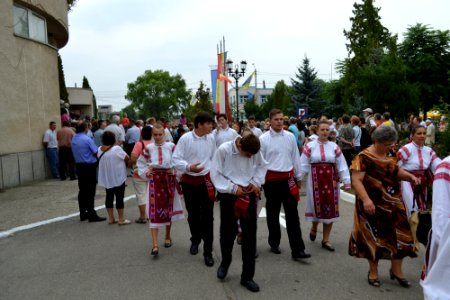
x,y
228,231
348,155
200,215
277,193
66,161
87,183
119,192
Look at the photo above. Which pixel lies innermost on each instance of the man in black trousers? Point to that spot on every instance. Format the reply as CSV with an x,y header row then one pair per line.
x,y
85,154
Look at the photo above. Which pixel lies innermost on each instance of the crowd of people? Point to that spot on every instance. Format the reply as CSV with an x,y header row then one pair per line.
x,y
213,160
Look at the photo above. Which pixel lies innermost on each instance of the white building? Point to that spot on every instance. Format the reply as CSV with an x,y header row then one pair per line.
x,y
260,95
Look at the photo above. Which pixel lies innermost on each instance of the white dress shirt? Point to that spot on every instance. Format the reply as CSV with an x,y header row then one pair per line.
x,y
256,131
230,169
224,135
50,138
192,149
280,150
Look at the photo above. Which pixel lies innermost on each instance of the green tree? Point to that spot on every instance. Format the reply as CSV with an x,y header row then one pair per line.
x,y
157,93
304,87
203,102
253,109
368,42
63,94
426,53
280,98
131,113
329,98
86,85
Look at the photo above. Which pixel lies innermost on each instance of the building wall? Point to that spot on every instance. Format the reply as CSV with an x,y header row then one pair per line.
x,y
29,90
81,101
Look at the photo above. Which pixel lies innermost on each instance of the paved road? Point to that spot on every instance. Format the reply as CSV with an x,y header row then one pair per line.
x,y
79,260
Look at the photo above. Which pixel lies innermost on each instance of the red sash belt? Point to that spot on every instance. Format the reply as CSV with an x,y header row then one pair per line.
x,y
200,180
281,176
241,206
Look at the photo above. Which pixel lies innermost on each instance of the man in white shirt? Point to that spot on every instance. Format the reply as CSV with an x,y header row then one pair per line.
x,y
132,136
51,148
118,131
282,185
431,133
223,133
238,170
192,158
252,126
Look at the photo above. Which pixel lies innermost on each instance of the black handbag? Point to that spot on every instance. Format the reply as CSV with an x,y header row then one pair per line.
x,y
424,222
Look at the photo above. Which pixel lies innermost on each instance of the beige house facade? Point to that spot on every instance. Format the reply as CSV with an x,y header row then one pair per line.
x,y
31,33
81,101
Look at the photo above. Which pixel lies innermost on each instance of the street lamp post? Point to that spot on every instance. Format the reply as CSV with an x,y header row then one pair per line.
x,y
236,72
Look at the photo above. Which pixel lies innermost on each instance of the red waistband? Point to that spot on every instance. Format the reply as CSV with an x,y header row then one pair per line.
x,y
278,176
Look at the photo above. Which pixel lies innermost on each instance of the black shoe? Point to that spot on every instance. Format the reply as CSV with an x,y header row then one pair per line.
x,y
83,218
209,261
275,250
194,249
222,272
250,285
97,219
301,254
256,254
402,281
63,178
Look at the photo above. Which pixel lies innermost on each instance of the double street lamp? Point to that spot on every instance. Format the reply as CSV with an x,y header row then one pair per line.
x,y
236,71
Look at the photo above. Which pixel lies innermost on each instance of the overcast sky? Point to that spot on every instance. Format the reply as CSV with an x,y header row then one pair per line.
x,y
112,42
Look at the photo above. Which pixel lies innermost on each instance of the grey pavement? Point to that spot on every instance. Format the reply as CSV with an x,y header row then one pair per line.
x,y
70,259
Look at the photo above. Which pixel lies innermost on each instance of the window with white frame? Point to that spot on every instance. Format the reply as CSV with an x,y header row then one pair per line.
x,y
243,98
263,98
29,24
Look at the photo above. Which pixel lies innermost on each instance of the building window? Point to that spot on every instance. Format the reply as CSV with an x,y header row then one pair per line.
x,y
263,98
243,98
30,25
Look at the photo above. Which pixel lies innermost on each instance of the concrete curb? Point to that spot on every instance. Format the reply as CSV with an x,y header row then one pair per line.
x,y
347,197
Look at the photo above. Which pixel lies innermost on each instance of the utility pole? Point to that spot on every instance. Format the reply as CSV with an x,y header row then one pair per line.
x,y
256,87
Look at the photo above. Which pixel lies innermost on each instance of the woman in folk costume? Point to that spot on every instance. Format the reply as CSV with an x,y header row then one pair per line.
x,y
326,165
164,205
437,273
418,159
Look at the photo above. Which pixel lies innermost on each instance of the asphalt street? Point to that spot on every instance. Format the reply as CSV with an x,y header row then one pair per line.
x,y
69,259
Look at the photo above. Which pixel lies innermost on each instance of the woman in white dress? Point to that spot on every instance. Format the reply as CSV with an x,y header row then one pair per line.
x,y
420,160
324,162
163,192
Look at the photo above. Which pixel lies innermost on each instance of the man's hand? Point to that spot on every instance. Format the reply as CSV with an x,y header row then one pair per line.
x,y
253,189
196,168
240,192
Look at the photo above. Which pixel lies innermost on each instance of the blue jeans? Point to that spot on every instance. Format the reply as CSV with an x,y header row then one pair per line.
x,y
52,155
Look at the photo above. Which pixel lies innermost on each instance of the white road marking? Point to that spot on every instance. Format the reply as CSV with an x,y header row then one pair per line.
x,y
11,231
263,214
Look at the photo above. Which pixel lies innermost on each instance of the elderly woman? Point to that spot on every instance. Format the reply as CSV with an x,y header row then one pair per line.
x,y
417,159
324,162
381,229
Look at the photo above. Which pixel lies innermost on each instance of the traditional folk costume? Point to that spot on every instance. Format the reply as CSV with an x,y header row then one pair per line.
x,y
163,192
280,150
198,190
437,274
419,161
326,166
224,135
386,234
229,170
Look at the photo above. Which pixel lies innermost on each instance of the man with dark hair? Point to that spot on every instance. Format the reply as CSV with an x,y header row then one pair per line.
x,y
85,154
252,126
238,171
64,137
282,185
132,136
192,158
51,148
223,133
